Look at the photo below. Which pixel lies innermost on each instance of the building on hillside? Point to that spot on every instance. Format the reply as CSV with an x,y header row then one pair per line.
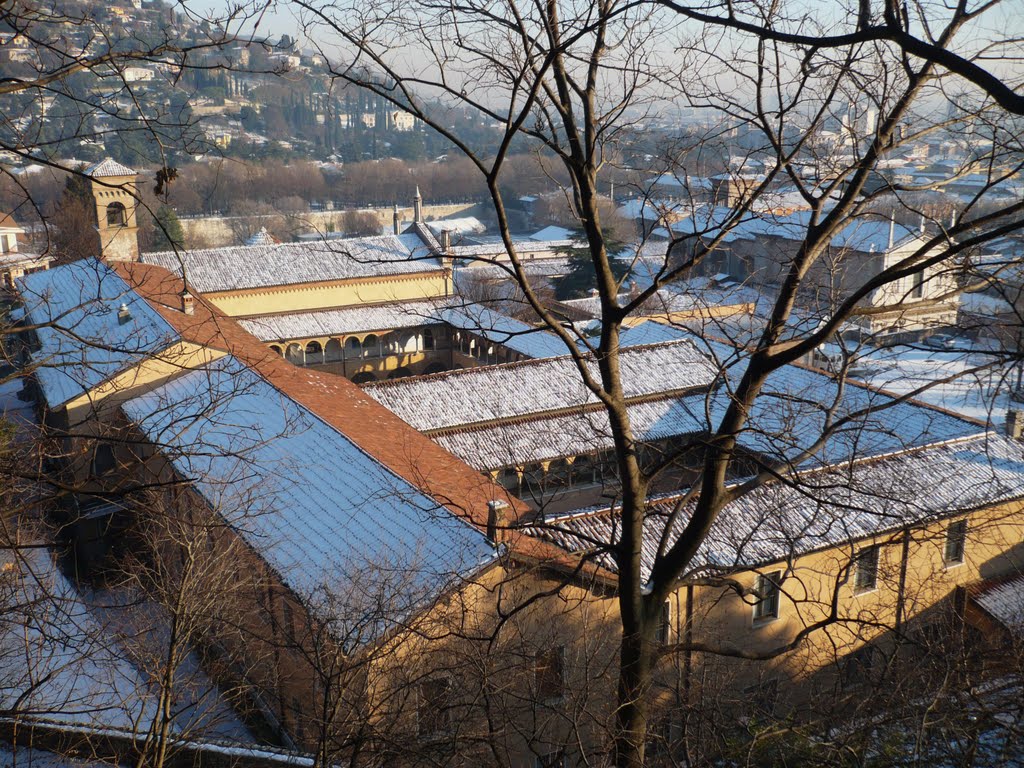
x,y
14,260
758,250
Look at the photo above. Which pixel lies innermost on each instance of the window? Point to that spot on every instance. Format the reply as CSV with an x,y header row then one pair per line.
x,y
433,710
548,673
866,567
956,537
767,605
917,285
116,215
664,623
103,460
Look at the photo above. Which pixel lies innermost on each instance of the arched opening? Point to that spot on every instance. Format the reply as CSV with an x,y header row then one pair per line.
x,y
371,346
276,349
406,343
294,354
435,368
508,478
333,350
353,348
557,475
365,377
428,339
314,352
400,373
117,215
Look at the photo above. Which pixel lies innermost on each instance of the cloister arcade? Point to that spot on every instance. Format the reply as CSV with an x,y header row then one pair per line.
x,y
373,356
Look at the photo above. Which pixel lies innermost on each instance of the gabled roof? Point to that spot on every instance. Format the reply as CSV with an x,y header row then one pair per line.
x,y
93,326
336,400
109,167
794,408
312,502
471,396
243,267
824,509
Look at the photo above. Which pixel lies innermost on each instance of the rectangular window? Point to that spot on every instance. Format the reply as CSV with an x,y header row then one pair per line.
x,y
664,623
549,673
917,285
956,538
767,605
866,567
433,707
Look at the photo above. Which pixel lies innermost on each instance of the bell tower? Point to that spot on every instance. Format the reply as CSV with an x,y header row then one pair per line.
x,y
115,191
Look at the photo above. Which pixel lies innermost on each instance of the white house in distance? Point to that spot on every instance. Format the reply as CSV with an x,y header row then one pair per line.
x,y
13,261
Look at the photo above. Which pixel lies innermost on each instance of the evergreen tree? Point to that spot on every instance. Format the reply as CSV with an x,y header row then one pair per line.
x,y
167,231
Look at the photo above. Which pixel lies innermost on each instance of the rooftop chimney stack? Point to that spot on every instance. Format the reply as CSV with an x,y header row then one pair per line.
x,y
396,222
446,240
188,302
417,206
497,520
1014,423
892,231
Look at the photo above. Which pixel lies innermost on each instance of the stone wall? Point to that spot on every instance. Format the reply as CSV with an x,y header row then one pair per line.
x,y
217,231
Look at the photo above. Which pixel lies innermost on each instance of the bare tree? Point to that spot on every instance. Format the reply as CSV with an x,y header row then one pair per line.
x,y
568,77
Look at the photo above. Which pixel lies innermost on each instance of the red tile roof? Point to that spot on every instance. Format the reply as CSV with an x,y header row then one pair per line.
x,y
339,402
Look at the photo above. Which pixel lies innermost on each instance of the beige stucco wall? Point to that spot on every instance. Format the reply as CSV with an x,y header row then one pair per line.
x,y
341,293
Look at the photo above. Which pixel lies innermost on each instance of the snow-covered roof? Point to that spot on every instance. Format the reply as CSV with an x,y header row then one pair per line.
x,y
553,233
109,167
788,418
460,398
501,329
824,509
20,258
57,662
261,238
94,327
259,266
525,250
464,225
335,322
315,505
650,332
1004,600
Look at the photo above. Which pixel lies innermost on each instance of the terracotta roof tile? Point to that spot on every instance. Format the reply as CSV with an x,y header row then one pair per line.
x,y
339,402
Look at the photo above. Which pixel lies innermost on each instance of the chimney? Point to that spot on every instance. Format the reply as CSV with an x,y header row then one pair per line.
x,y
123,314
446,240
496,520
892,231
1014,424
188,302
417,206
395,220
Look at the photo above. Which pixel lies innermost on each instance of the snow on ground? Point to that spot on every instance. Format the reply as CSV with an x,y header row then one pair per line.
x,y
957,386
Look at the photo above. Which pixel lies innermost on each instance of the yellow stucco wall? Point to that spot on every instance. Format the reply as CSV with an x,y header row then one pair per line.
x,y
342,293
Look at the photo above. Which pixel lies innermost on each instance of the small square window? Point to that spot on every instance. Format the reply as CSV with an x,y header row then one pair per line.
x,y
956,538
866,569
549,673
767,605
